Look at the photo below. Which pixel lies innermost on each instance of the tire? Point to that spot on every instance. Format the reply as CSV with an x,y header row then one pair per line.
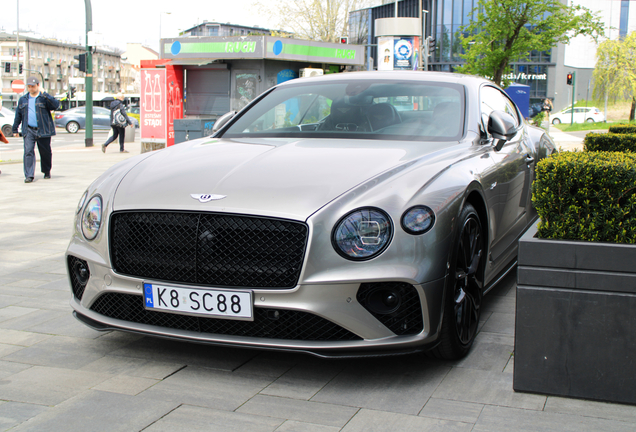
x,y
464,285
556,121
72,127
6,130
590,120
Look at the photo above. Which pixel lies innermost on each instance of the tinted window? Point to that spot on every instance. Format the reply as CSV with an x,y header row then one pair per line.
x,y
359,109
492,99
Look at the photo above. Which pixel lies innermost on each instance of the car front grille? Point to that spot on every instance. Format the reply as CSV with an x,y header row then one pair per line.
x,y
268,323
208,249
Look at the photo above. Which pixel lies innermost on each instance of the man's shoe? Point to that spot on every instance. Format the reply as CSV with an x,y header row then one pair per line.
x,y
47,176
28,179
103,148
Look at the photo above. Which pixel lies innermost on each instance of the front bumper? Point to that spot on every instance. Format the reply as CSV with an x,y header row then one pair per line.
x,y
336,315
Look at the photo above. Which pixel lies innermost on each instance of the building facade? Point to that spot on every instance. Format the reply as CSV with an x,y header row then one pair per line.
x,y
223,30
55,64
131,66
543,71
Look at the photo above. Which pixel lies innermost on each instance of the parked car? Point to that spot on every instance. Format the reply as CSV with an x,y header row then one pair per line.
x,y
319,219
581,115
74,119
7,117
134,110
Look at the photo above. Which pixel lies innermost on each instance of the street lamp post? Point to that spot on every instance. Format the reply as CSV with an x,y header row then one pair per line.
x,y
161,13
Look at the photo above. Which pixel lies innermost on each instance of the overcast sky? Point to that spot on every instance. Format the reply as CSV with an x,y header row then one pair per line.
x,y
125,21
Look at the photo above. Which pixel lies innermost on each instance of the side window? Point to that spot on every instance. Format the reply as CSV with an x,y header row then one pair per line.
x,y
493,99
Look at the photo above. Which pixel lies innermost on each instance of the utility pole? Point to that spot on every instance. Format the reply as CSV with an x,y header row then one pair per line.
x,y
573,93
88,81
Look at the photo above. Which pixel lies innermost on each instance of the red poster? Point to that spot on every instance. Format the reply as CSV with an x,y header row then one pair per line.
x,y
154,121
174,81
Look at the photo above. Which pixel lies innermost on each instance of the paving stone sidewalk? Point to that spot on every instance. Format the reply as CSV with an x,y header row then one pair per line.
x,y
58,375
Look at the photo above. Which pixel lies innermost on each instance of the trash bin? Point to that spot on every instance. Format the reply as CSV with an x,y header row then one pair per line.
x,y
130,133
189,129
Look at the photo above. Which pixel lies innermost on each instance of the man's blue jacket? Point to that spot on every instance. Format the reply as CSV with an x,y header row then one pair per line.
x,y
44,104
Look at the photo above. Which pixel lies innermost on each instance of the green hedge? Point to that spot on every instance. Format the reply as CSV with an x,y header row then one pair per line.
x,y
623,129
610,142
588,196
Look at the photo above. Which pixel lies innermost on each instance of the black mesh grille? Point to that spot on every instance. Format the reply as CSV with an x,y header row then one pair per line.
x,y
77,284
268,323
208,249
407,318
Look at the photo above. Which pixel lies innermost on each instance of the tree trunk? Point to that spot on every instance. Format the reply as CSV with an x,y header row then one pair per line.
x,y
632,111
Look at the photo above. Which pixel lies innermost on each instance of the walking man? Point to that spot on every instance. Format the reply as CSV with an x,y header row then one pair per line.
x,y
34,112
118,120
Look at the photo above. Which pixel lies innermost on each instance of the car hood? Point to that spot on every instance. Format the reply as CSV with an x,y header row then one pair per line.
x,y
271,177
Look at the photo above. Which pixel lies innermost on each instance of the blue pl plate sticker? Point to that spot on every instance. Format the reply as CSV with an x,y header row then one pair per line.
x,y
148,295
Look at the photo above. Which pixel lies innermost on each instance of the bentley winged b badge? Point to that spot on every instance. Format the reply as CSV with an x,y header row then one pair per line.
x,y
207,197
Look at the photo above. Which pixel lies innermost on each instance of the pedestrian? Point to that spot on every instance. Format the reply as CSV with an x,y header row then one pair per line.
x,y
118,121
547,105
4,140
34,113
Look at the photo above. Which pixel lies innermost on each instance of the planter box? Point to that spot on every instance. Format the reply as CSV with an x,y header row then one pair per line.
x,y
575,330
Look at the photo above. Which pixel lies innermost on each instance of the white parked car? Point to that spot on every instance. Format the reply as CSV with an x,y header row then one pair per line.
x,y
581,115
6,121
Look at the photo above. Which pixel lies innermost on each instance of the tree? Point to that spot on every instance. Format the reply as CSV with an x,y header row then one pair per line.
x,y
317,20
615,72
503,31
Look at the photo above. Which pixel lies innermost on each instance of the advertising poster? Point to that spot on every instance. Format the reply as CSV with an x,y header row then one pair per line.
x,y
385,53
174,80
405,53
153,113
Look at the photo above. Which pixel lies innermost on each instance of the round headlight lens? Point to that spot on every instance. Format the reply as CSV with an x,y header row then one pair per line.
x,y
82,201
92,218
362,234
418,220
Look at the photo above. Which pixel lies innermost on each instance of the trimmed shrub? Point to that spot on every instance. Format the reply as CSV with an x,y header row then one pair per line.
x,y
623,129
610,142
589,196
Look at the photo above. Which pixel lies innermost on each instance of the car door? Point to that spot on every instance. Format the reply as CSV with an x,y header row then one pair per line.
x,y
101,118
508,183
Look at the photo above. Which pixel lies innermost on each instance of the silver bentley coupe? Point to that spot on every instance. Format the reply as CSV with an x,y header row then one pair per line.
x,y
354,214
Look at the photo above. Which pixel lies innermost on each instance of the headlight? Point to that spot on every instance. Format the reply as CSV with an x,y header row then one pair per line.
x,y
82,201
92,218
418,220
362,234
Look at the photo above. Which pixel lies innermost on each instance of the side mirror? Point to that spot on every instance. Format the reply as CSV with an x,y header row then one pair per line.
x,y
218,124
502,127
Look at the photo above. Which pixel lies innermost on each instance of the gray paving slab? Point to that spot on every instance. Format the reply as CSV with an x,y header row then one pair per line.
x,y
143,368
8,368
444,409
36,317
608,411
189,418
46,385
304,380
502,419
65,325
296,426
396,385
503,323
14,413
486,387
22,338
98,411
266,365
208,388
294,409
381,421
488,353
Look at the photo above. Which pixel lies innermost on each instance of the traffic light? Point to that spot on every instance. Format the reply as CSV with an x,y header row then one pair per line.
x,y
7,67
431,45
569,79
344,40
72,92
82,62
20,69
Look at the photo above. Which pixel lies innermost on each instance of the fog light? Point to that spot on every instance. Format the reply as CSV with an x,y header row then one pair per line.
x,y
81,272
384,301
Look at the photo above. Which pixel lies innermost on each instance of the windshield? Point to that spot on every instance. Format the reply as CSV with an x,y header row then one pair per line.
x,y
385,110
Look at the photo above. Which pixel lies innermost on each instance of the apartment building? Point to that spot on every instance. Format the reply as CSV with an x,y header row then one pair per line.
x,y
54,63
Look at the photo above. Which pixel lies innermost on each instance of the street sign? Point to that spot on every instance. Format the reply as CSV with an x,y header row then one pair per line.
x,y
17,86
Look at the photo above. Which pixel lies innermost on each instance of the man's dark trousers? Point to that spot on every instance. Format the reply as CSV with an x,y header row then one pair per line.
x,y
44,148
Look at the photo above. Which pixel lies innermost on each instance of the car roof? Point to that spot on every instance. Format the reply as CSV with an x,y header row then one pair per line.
x,y
448,77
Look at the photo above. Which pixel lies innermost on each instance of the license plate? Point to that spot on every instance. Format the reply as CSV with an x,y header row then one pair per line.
x,y
199,301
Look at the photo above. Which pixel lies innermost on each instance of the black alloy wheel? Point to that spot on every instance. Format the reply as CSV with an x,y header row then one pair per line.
x,y
464,289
